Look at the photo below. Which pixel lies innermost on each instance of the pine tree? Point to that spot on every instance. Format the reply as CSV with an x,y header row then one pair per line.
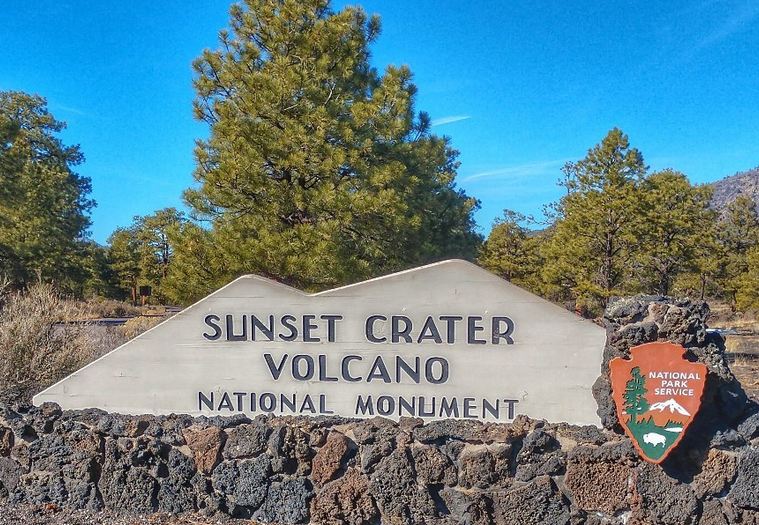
x,y
703,279
596,232
747,283
738,234
156,250
635,395
673,222
43,202
196,266
511,250
124,261
318,171
141,254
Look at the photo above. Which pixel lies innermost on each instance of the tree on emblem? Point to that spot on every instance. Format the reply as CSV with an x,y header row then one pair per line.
x,y
635,395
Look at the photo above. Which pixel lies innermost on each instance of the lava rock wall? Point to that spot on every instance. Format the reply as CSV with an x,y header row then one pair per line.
x,y
336,470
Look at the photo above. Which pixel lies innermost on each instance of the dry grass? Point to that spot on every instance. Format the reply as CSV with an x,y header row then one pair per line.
x,y
137,325
742,345
747,372
33,350
723,316
743,356
39,345
99,308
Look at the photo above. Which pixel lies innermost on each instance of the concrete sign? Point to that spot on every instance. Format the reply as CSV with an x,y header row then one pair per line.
x,y
448,340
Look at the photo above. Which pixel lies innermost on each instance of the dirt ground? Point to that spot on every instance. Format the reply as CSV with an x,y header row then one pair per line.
x,y
743,356
52,515
741,343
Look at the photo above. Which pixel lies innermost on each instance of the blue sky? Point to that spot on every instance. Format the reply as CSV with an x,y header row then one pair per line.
x,y
520,87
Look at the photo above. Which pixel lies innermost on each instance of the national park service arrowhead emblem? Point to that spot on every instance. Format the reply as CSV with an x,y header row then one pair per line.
x,y
657,394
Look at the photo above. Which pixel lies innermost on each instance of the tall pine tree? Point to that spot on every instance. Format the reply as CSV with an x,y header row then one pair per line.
x,y
596,233
738,235
318,171
43,202
676,220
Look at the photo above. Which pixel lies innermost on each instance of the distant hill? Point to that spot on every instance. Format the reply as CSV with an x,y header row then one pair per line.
x,y
727,189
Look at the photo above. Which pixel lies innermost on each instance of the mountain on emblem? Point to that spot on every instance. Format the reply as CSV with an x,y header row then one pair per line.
x,y
672,405
657,394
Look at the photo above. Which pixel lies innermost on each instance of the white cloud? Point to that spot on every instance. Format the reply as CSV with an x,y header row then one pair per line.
x,y
517,171
738,19
448,120
70,109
